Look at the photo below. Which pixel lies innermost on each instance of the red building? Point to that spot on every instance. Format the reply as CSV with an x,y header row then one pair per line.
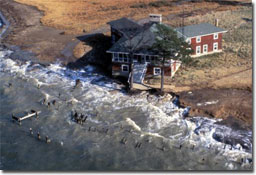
x,y
129,35
204,38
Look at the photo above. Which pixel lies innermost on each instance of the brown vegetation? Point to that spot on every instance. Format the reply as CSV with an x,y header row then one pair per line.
x,y
77,16
230,69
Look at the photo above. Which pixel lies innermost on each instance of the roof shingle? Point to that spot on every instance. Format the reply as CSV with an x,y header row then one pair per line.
x,y
199,29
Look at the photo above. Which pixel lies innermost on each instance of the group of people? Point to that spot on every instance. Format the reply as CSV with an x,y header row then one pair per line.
x,y
79,118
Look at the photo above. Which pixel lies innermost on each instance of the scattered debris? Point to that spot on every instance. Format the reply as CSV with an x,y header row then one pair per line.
x,y
31,131
138,145
38,135
47,139
19,119
124,140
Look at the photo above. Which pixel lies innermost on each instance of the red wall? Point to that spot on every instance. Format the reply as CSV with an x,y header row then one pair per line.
x,y
167,70
206,40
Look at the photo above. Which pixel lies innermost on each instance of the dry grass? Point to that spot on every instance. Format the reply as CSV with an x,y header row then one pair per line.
x,y
75,16
233,67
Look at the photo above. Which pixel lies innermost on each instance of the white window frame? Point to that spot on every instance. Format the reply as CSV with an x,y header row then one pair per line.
x,y
125,65
126,58
198,49
149,58
157,68
215,36
120,58
206,48
198,39
217,45
115,56
135,58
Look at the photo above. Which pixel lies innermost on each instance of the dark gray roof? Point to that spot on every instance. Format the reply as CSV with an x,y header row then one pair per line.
x,y
125,25
140,42
199,29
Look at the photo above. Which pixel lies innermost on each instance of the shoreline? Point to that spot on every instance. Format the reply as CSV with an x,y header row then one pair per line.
x,y
63,53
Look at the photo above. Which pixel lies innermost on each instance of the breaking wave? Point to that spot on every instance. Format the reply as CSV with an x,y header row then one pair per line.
x,y
116,122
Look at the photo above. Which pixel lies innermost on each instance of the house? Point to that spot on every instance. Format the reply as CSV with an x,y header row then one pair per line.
x,y
128,35
204,38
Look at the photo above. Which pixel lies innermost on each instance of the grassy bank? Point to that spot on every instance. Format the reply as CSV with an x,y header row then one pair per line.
x,y
232,67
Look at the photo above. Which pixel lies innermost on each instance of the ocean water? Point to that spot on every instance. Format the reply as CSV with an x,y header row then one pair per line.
x,y
122,132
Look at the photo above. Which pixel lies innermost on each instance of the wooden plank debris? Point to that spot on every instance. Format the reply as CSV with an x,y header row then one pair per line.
x,y
19,119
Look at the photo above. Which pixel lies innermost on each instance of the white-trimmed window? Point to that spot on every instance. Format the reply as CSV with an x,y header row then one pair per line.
x,y
157,70
120,57
205,48
215,46
135,58
198,39
189,40
115,55
215,36
147,58
126,59
198,50
139,58
125,68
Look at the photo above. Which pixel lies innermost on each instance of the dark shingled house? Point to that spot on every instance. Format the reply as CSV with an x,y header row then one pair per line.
x,y
128,35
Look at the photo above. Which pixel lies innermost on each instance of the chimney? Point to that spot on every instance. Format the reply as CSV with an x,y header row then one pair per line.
x,y
156,18
217,22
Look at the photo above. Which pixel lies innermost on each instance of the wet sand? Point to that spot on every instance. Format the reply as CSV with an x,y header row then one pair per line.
x,y
26,31
220,103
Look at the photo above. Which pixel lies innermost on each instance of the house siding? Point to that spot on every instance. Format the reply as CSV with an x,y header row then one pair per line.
x,y
150,70
206,40
168,71
117,69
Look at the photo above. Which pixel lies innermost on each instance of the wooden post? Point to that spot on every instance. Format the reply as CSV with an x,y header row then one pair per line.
x,y
31,131
47,139
38,136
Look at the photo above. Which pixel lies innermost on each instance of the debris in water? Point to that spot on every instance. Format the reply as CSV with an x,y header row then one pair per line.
x,y
124,140
38,136
31,131
186,111
138,145
47,139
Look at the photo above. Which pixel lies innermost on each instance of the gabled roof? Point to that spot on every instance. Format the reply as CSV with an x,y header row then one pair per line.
x,y
125,25
141,42
199,29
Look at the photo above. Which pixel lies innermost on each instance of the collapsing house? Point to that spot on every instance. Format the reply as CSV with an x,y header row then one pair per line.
x,y
129,36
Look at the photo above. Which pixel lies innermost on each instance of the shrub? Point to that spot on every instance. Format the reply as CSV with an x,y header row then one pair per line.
x,y
139,5
160,3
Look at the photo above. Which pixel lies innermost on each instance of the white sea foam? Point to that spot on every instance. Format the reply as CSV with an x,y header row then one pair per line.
x,y
208,103
159,115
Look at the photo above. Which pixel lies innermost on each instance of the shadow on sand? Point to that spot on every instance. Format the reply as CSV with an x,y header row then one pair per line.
x,y
96,55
